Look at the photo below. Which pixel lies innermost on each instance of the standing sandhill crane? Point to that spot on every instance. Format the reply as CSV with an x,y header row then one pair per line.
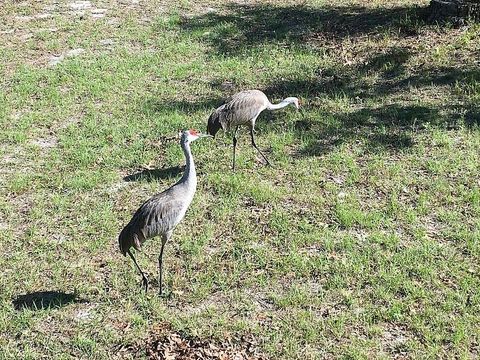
x,y
243,108
161,213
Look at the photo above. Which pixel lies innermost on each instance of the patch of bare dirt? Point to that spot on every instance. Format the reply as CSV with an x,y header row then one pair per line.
x,y
163,343
56,59
394,339
10,156
45,142
217,301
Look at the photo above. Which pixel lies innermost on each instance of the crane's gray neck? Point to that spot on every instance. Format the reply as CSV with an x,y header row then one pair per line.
x,y
189,175
280,105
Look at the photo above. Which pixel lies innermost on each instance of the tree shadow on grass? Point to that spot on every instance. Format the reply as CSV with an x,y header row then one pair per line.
x,y
386,126
351,81
389,127
155,174
443,76
40,300
183,106
239,27
377,76
389,74
472,117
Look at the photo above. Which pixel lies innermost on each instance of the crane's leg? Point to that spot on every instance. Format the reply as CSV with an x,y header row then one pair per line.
x,y
255,145
160,261
144,278
234,146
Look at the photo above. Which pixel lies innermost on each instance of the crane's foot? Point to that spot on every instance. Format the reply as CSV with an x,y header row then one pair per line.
x,y
263,161
164,294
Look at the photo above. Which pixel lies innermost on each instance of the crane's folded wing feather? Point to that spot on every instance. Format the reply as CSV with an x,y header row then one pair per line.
x,y
241,108
158,215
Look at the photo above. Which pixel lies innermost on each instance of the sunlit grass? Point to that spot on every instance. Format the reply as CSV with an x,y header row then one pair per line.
x,y
362,239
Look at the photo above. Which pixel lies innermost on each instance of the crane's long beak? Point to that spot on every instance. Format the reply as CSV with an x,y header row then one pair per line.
x,y
204,136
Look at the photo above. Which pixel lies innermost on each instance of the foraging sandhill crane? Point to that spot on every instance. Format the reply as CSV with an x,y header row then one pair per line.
x,y
243,108
161,213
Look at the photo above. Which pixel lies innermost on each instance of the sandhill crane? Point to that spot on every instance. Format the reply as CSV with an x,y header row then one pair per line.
x,y
243,108
161,213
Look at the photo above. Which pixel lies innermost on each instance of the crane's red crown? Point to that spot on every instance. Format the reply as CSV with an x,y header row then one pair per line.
x,y
193,132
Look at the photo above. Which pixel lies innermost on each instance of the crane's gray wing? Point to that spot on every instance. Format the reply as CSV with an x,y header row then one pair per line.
x,y
158,215
241,108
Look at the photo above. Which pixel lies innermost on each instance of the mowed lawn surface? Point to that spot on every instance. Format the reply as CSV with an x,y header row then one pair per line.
x,y
361,241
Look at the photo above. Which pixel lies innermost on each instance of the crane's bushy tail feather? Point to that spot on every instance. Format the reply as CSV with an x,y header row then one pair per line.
x,y
215,123
127,239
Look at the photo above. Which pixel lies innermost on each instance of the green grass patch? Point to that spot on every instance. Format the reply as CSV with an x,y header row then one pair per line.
x,y
361,241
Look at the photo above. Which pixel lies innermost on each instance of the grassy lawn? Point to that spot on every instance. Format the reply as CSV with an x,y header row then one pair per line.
x,y
361,241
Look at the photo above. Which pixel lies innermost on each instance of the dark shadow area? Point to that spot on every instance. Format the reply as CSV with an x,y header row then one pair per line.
x,y
45,300
389,64
472,117
155,174
456,12
237,27
168,106
441,76
388,127
350,80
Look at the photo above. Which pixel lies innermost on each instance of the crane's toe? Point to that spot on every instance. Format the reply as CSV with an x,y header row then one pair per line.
x,y
165,294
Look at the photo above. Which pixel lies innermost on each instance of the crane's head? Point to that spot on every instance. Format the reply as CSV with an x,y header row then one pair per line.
x,y
293,100
188,136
